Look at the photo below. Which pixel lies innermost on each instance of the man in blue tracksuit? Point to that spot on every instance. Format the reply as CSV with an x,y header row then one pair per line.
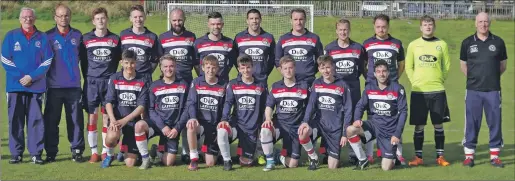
x,y
26,57
63,80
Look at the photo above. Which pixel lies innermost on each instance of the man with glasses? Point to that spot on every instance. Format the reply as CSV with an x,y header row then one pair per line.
x,y
64,83
26,57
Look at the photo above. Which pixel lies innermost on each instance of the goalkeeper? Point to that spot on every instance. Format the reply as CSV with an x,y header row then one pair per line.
x,y
427,67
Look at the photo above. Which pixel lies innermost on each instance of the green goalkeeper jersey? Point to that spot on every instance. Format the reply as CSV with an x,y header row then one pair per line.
x,y
427,64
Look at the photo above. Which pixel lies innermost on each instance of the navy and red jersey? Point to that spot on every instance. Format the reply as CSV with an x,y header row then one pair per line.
x,y
349,61
167,103
262,50
289,102
305,49
332,105
247,102
390,50
181,47
386,108
127,95
205,101
145,46
102,54
224,50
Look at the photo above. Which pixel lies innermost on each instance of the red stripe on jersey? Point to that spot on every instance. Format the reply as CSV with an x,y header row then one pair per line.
x,y
141,137
172,39
164,87
136,37
211,44
256,38
295,90
217,89
301,38
243,87
340,51
123,82
105,40
376,92
333,87
381,43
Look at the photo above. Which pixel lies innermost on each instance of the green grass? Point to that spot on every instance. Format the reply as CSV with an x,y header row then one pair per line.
x,y
449,30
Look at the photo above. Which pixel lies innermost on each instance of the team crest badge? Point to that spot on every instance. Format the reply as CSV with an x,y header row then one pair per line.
x,y
226,46
393,45
180,88
338,90
221,92
188,41
38,44
110,42
389,95
74,42
137,85
299,92
265,41
309,41
354,53
258,90
439,48
147,41
491,48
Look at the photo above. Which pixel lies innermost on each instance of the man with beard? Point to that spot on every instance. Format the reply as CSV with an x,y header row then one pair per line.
x,y
216,44
178,42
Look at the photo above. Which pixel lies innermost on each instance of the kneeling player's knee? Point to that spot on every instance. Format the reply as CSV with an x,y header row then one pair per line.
x,y
112,138
438,126
352,131
419,128
140,126
266,133
387,164
222,133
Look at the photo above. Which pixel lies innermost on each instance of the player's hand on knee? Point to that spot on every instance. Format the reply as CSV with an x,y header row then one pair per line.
x,y
267,124
395,140
192,124
223,124
304,127
166,131
343,141
357,123
173,133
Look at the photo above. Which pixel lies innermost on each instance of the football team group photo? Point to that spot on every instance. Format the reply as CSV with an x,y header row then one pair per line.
x,y
145,99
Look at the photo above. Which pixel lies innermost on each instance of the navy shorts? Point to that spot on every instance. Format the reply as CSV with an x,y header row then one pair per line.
x,y
210,146
291,143
170,145
247,141
95,90
332,142
372,132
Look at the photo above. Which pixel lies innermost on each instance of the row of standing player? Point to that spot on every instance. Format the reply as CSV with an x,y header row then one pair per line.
x,y
307,44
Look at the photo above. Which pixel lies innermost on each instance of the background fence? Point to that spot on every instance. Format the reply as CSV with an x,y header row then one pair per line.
x,y
395,9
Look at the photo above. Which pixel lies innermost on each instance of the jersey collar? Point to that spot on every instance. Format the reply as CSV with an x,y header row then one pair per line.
x,y
305,32
246,31
490,36
390,37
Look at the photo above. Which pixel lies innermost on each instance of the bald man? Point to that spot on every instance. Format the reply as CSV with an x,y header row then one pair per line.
x,y
483,60
178,42
64,81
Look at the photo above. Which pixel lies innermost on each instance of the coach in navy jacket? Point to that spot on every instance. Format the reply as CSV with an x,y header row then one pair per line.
x,y
64,87
26,57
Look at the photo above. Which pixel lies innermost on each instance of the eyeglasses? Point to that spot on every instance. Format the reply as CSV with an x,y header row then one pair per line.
x,y
28,18
63,16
